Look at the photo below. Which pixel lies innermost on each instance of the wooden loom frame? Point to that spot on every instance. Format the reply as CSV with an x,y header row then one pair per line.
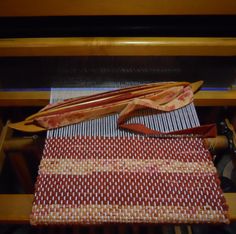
x,y
113,7
15,208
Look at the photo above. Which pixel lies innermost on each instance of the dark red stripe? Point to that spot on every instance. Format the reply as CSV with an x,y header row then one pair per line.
x,y
184,149
149,189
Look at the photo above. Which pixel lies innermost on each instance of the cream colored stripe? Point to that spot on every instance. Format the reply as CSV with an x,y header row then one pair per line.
x,y
128,214
87,166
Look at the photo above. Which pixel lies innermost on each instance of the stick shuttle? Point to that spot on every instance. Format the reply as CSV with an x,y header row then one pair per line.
x,y
164,96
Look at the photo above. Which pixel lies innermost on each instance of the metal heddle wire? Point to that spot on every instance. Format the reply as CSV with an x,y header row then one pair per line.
x,y
182,118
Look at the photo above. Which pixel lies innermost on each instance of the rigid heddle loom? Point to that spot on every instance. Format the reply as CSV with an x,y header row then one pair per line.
x,y
93,172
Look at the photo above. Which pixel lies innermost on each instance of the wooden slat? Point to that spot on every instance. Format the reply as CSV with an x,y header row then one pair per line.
x,y
114,7
215,98
41,98
16,208
118,46
24,98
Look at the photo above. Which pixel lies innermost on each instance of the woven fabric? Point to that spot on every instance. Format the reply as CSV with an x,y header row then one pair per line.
x,y
91,180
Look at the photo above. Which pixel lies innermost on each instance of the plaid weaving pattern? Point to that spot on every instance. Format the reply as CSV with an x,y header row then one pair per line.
x,y
92,180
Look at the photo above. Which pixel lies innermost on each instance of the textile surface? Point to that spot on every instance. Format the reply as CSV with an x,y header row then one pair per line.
x,y
93,180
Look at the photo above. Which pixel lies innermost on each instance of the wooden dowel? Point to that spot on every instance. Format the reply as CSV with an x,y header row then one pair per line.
x,y
18,143
217,143
118,46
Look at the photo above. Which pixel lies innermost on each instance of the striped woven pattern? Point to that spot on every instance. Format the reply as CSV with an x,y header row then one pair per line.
x,y
92,180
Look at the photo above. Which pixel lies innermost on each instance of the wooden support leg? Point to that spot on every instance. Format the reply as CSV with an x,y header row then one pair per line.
x,y
13,147
5,134
21,169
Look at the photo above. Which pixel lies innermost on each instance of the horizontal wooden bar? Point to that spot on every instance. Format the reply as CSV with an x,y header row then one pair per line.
x,y
41,98
24,98
118,46
18,143
114,7
16,208
215,98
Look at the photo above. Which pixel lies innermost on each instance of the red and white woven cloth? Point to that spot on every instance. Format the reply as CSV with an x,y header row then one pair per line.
x,y
91,180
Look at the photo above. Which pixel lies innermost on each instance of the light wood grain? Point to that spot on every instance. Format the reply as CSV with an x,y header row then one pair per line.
x,y
41,98
16,208
118,46
114,7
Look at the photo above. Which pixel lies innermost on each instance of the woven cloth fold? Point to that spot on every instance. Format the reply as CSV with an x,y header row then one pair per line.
x,y
93,180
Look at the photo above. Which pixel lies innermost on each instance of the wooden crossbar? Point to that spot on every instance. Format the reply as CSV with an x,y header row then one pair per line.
x,y
16,208
118,46
114,7
41,98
